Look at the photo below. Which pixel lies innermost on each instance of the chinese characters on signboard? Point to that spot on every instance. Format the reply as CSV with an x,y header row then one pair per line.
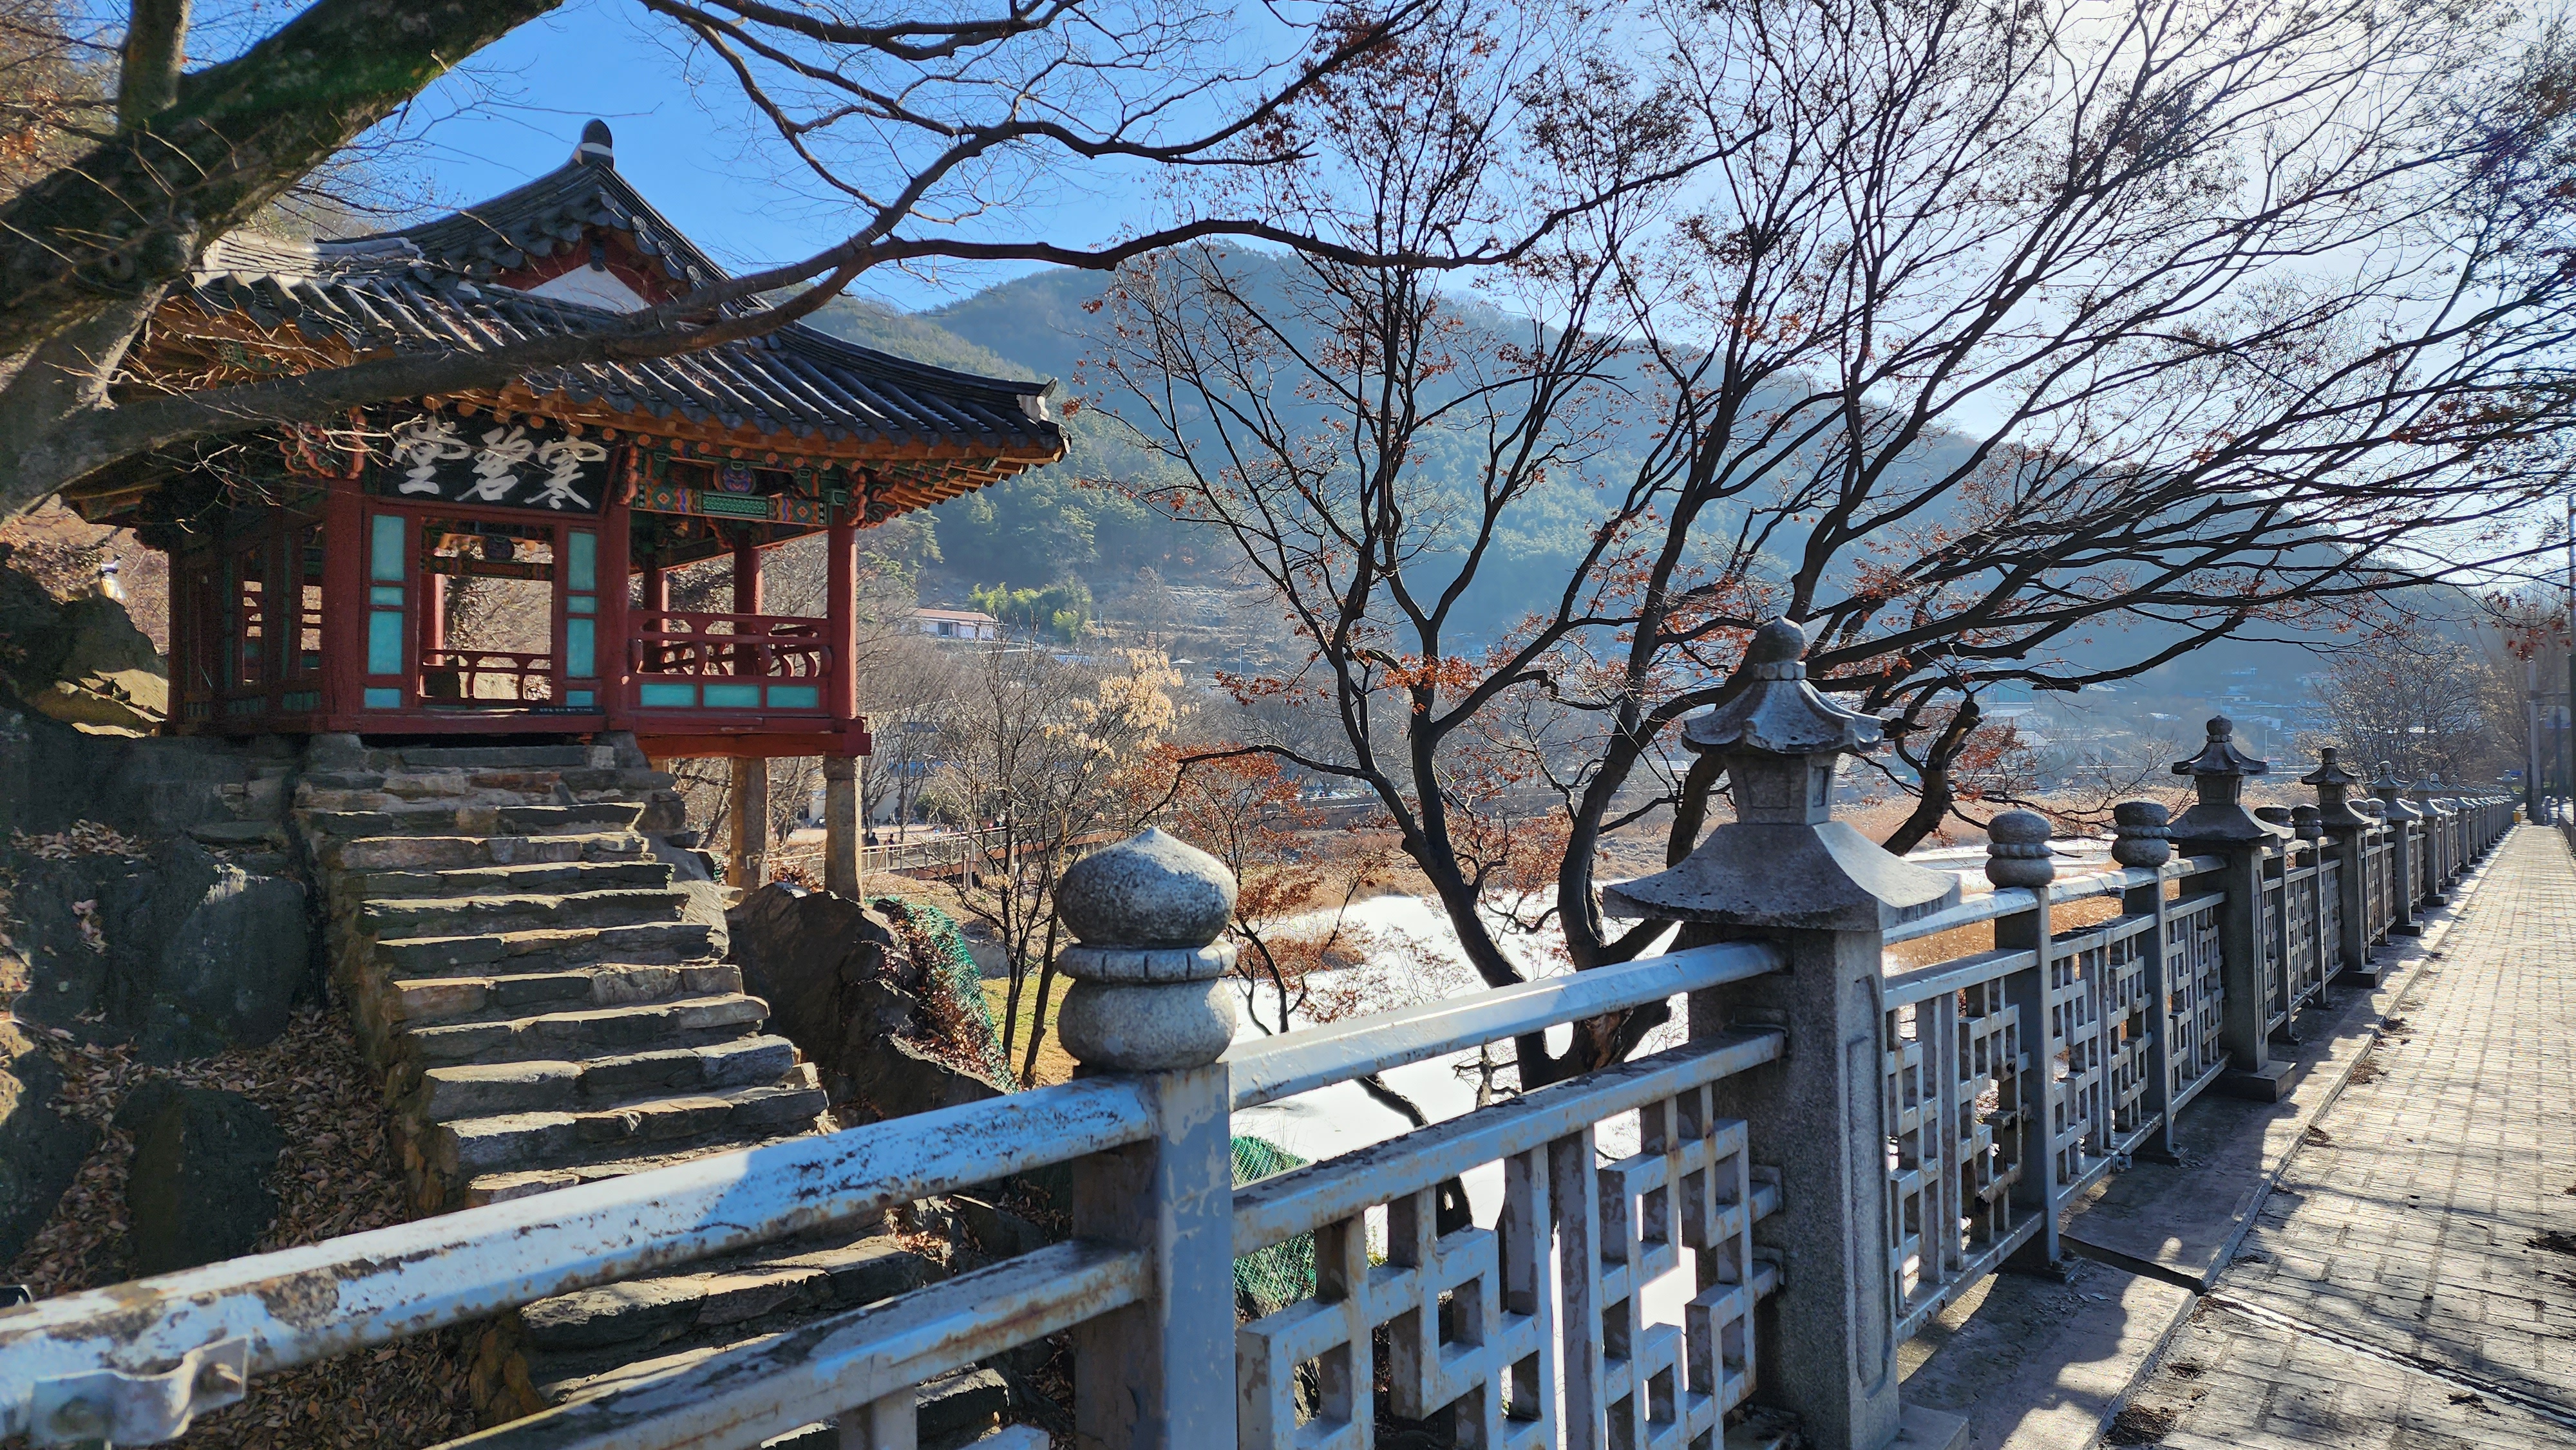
x,y
488,461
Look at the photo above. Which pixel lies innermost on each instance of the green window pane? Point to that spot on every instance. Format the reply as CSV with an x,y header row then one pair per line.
x,y
385,594
733,697
667,694
794,697
581,604
384,699
581,697
387,555
581,640
584,562
385,642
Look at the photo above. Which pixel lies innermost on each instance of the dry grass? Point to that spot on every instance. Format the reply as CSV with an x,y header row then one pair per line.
x,y
1054,1064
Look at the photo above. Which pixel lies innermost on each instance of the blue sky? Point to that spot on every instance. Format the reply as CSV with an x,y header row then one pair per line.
x,y
515,110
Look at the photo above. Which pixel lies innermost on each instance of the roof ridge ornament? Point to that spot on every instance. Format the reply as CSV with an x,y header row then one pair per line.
x,y
598,147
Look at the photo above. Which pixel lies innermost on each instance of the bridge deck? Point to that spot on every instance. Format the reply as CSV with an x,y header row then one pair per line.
x,y
2412,1281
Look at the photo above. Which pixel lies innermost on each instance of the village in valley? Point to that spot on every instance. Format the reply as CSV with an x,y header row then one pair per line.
x,y
1127,725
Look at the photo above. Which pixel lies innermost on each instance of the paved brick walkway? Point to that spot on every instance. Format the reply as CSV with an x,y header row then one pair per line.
x,y
2412,1281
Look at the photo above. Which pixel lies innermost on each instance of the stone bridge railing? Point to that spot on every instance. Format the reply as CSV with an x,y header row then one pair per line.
x,y
1832,1153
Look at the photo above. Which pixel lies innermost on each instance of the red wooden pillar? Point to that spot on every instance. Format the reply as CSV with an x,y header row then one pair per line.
x,y
747,599
433,612
841,611
344,599
617,671
746,574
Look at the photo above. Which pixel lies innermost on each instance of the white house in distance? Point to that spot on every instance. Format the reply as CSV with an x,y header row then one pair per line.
x,y
958,624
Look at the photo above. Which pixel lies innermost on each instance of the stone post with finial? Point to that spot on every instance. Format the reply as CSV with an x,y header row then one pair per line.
x,y
2404,860
2440,861
2142,841
2218,824
2350,831
2019,858
1149,998
1786,871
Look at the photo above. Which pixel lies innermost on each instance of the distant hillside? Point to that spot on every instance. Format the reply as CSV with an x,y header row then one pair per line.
x,y
1038,530
1044,526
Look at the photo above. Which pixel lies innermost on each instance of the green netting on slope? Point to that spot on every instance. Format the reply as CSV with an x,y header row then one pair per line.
x,y
1280,1275
960,979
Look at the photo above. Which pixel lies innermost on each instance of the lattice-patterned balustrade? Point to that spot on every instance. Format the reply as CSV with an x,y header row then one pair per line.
x,y
2197,994
1474,1318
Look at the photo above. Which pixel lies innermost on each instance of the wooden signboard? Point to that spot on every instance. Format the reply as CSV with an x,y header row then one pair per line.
x,y
488,462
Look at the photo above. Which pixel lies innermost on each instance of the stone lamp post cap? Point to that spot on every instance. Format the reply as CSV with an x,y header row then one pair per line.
x,y
2219,755
2330,771
1784,861
1779,712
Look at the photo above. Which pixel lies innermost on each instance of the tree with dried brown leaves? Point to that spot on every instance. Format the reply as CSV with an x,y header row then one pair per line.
x,y
2033,347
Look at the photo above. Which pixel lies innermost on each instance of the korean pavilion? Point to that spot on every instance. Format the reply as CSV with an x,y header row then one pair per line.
x,y
311,568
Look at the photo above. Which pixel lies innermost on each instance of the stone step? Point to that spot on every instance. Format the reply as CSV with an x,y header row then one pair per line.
x,y
488,1089
428,1001
440,853
436,757
474,820
459,1150
485,1188
420,916
725,1293
385,791
533,878
596,1032
511,953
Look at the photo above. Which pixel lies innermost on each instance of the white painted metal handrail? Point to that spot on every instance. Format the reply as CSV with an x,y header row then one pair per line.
x,y
299,1305
778,1383
1302,1061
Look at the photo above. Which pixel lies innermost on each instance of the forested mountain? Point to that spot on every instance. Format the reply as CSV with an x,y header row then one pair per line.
x,y
1050,526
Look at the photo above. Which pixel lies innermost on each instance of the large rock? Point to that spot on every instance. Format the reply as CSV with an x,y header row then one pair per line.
x,y
198,1190
899,1079
83,663
179,951
841,988
819,961
52,775
40,1149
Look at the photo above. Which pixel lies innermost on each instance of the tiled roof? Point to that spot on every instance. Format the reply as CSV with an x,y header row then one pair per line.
x,y
549,215
426,286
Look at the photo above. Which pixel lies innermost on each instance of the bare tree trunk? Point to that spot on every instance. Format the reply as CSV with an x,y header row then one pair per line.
x,y
1937,793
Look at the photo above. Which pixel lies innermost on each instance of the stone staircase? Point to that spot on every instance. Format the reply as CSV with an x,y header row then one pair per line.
x,y
549,1008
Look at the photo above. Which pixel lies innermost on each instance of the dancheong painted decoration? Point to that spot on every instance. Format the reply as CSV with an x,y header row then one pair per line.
x,y
323,577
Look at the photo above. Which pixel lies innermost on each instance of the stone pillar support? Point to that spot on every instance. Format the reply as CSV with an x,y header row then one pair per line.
x,y
2218,824
2349,830
748,824
844,818
2401,816
2141,841
1785,871
2018,857
1149,997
